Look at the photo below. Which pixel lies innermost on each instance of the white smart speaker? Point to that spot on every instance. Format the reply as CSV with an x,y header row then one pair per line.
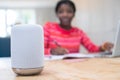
x,y
27,49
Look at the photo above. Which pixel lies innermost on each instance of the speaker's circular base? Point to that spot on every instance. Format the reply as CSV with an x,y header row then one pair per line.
x,y
27,72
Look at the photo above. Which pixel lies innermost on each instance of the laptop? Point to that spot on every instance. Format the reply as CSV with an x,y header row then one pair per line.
x,y
116,48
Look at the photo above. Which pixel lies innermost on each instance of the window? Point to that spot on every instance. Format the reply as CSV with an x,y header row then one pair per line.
x,y
2,24
10,17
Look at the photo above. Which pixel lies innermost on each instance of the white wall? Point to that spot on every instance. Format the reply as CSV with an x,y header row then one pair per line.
x,y
26,3
45,14
98,18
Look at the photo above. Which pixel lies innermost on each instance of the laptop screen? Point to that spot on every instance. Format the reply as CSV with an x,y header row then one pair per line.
x,y
116,49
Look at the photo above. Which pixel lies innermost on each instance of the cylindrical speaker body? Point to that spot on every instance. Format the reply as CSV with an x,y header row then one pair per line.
x,y
27,49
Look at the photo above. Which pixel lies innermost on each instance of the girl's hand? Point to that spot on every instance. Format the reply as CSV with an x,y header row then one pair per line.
x,y
59,51
107,46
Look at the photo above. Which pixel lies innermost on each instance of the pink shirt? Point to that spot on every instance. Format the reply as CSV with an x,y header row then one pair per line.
x,y
70,39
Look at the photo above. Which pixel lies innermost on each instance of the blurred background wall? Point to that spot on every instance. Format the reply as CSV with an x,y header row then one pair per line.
x,y
98,18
